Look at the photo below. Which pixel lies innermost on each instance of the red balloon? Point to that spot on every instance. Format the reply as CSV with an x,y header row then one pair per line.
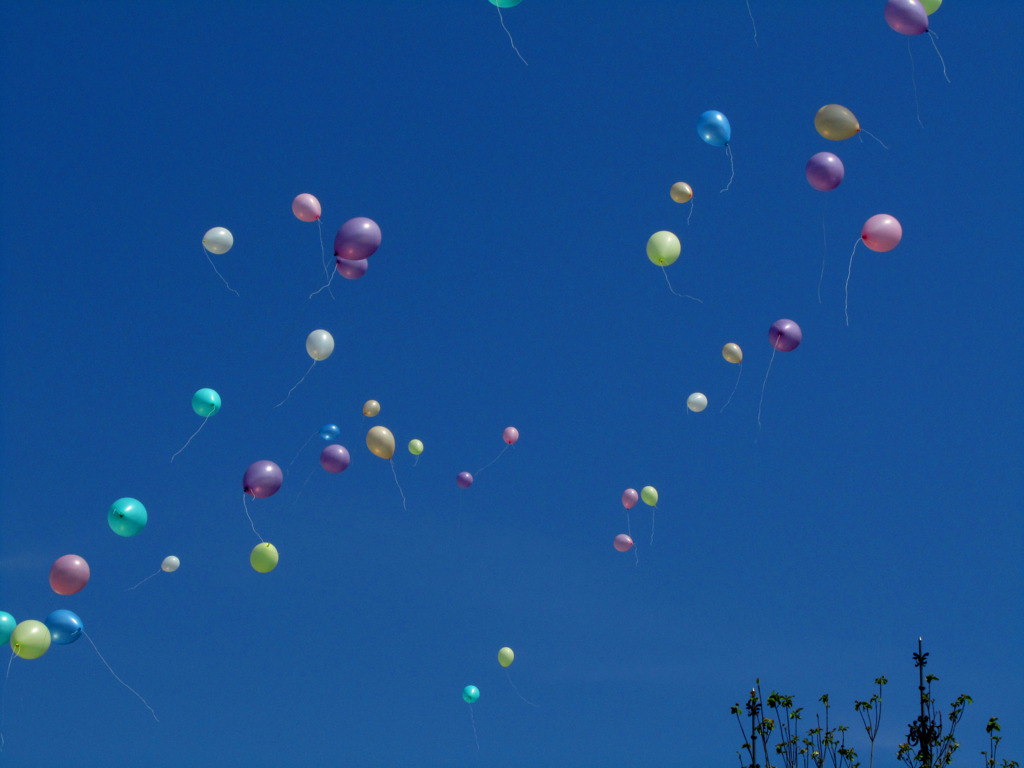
x,y
623,543
69,574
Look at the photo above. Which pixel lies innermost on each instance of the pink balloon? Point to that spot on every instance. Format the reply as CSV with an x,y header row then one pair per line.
x,y
306,207
623,543
630,497
69,574
881,232
908,17
464,479
349,269
511,434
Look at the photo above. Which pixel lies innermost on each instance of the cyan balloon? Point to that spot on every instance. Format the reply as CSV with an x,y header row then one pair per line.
x,y
205,402
127,517
470,694
714,128
7,625
65,627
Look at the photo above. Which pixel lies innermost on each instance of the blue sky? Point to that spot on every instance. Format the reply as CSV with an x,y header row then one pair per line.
x,y
878,501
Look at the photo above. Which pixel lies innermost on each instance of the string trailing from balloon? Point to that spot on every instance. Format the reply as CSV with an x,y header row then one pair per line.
x,y
824,247
323,257
143,581
472,721
190,439
392,463
218,273
763,383
675,292
934,36
846,304
514,688
502,18
735,387
751,14
296,385
3,699
245,506
869,133
732,168
485,466
913,81
690,214
325,285
300,449
122,682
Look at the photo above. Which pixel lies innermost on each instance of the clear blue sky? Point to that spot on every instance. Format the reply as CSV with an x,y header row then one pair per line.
x,y
879,501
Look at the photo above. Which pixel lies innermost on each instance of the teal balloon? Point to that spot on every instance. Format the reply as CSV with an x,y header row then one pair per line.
x,y
7,625
714,128
65,627
205,402
470,693
505,3
127,517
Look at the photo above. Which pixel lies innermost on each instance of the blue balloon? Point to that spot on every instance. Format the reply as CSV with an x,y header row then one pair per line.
x,y
714,128
7,625
330,432
65,627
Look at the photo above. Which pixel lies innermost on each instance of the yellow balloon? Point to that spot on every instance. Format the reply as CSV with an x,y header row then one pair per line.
x,y
371,408
663,248
732,353
263,557
681,192
505,657
381,442
836,123
30,639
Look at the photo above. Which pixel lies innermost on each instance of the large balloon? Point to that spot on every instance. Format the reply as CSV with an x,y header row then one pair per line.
x,y
127,517
65,627
697,402
69,574
263,557
381,442
335,458
881,232
649,495
471,693
415,447
663,248
835,122
306,207
262,479
218,240
371,408
505,657
358,239
630,497
351,270
464,479
785,335
732,353
330,432
824,171
30,639
510,435
170,564
7,625
623,543
908,17
205,402
319,345
714,128
681,192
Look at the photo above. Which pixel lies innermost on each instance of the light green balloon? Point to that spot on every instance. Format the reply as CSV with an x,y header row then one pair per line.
x,y
663,248
7,625
415,447
505,656
650,495
30,639
931,6
264,557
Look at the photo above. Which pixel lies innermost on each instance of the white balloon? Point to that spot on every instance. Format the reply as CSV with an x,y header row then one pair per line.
x,y
319,345
218,240
170,564
696,402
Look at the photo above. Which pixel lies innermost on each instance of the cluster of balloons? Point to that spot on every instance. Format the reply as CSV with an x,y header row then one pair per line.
x,y
623,542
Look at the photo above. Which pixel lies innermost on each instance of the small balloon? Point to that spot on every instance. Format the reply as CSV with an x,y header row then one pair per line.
x,y
681,192
649,494
663,248
464,479
471,693
7,625
351,270
371,408
69,574
732,353
319,345
714,128
127,517
824,171
510,435
415,447
357,239
785,335
306,207
30,639
506,3
262,479
881,232
205,402
170,564
218,240
505,657
835,122
623,543
335,458
330,432
697,402
629,498
931,6
65,627
381,442
263,557
908,17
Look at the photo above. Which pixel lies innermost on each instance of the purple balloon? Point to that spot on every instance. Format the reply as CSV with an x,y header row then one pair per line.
x,y
357,239
785,335
464,479
623,543
824,171
908,17
262,479
334,458
351,270
630,497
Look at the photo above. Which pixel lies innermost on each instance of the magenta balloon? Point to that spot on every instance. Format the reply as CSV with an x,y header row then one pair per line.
x,y
824,171
358,239
334,458
881,232
262,479
306,207
464,479
511,434
785,335
623,543
908,17
630,497
69,574
351,270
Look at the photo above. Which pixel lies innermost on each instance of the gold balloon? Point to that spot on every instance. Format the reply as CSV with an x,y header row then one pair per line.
x,y
681,192
836,123
381,442
371,408
732,353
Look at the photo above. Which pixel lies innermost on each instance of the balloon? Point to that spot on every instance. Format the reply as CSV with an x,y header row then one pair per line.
x,y
505,657
381,442
835,123
262,479
319,345
205,402
506,3
663,248
824,171
623,543
681,192
464,479
218,240
335,458
371,408
931,6
7,625
630,497
415,447
64,626
649,494
732,353
170,564
30,639
69,574
697,402
511,434
908,17
471,693
330,432
263,557
306,207
881,232
358,239
351,270
785,335
714,128
127,517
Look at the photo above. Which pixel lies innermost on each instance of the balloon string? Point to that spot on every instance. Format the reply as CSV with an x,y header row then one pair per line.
x,y
323,255
763,383
846,306
392,463
517,690
735,387
190,439
473,723
913,81
485,466
245,506
824,247
300,449
732,169
325,285
3,699
143,581
218,273
869,133
417,461
655,509
751,13
680,295
520,58
122,682
299,494
296,385
690,214
935,45
629,532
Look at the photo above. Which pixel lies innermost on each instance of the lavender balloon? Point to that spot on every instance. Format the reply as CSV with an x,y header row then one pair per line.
x,y
464,479
358,239
351,270
262,479
334,458
908,17
785,335
824,171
